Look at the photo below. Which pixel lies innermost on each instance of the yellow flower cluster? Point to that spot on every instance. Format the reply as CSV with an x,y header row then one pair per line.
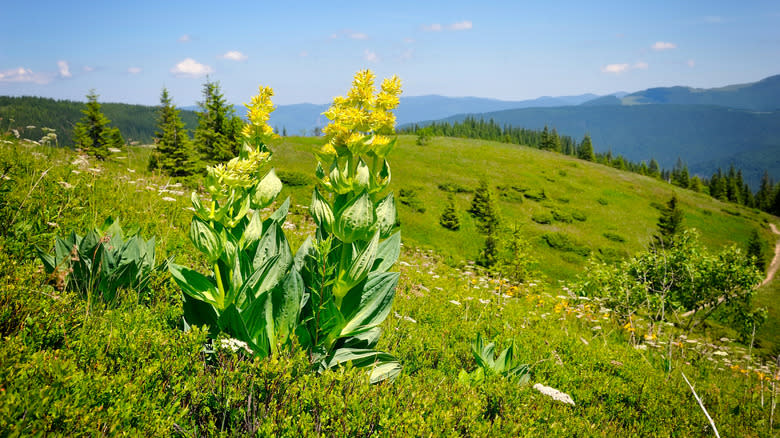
x,y
259,111
362,114
238,172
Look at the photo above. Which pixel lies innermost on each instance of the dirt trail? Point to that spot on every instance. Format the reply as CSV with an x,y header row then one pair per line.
x,y
775,261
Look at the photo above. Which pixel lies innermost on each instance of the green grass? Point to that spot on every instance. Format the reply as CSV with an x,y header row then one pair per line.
x,y
130,368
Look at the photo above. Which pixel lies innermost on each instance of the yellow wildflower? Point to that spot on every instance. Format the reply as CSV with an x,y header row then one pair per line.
x,y
258,112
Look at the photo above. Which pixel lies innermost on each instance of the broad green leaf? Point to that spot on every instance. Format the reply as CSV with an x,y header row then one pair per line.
x,y
381,365
49,263
205,239
255,320
338,179
201,313
366,309
280,214
320,211
362,177
355,221
286,300
273,243
306,249
367,339
386,215
195,284
354,268
253,231
267,190
388,252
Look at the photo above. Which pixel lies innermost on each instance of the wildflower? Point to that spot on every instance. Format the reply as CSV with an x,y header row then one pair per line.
x,y
258,113
554,394
65,184
457,303
169,199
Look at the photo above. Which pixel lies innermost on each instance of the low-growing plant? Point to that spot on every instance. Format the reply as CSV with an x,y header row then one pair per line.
x,y
579,216
562,242
562,216
408,197
542,217
453,187
535,195
101,262
614,237
504,365
292,178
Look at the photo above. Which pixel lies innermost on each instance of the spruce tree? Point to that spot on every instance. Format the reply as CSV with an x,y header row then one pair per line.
x,y
173,154
586,149
92,133
755,249
219,129
669,224
485,211
449,217
764,194
654,169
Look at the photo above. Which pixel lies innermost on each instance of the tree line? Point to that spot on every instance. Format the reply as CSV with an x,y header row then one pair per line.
x,y
726,186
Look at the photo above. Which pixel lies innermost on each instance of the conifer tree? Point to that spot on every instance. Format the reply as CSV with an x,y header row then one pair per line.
x,y
219,129
654,169
586,148
173,154
449,217
485,211
669,224
92,133
755,249
764,194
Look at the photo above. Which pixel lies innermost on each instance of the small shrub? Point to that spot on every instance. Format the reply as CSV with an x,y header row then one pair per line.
x,y
563,200
542,217
611,255
453,187
293,178
562,216
731,212
602,201
579,216
409,198
614,237
562,173
535,195
658,206
562,242
510,193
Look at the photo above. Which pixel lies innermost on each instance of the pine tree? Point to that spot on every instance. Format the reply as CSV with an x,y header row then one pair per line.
x,y
516,262
173,154
219,129
449,217
92,133
755,249
586,148
764,194
485,211
669,224
695,184
654,169
680,176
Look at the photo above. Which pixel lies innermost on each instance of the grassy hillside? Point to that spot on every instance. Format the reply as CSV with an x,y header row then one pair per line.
x,y
704,137
129,367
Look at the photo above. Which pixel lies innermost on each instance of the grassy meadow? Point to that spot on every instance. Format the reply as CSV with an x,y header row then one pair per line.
x,y
129,368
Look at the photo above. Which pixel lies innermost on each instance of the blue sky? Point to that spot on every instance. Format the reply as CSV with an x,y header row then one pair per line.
x,y
308,51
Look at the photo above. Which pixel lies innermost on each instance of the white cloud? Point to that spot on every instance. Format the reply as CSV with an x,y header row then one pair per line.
x,y
234,55
640,66
22,74
691,63
192,68
662,45
461,25
134,70
435,27
615,68
64,69
88,69
370,56
185,38
358,36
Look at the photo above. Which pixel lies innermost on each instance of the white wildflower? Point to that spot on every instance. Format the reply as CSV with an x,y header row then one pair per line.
x,y
65,184
457,303
483,301
169,199
720,353
554,394
234,345
114,150
404,264
131,170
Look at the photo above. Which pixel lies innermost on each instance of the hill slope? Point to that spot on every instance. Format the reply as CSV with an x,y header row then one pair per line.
x,y
705,137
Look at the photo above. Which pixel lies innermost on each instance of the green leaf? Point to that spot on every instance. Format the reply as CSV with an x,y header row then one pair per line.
x,y
355,221
253,231
388,252
280,214
386,215
206,239
286,301
321,211
362,177
49,263
354,268
367,308
195,284
267,190
381,365
201,313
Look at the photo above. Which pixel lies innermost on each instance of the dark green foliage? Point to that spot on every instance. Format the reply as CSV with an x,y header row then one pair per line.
x,y
102,262
511,193
449,217
453,187
755,250
506,364
535,195
516,261
680,176
611,255
174,154
586,149
669,224
293,178
579,216
408,197
218,134
423,136
484,209
563,242
562,216
92,134
542,217
602,201
614,237
136,122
